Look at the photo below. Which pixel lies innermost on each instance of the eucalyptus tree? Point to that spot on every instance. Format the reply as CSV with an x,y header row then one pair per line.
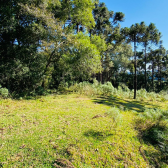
x,y
134,34
150,35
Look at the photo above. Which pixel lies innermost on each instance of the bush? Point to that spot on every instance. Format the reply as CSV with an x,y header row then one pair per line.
x,y
39,91
124,87
115,114
4,92
142,93
153,125
63,86
152,96
154,117
107,89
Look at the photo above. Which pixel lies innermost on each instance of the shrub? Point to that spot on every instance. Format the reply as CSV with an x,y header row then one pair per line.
x,y
39,91
153,124
107,89
142,93
4,92
124,87
154,117
152,96
115,114
63,86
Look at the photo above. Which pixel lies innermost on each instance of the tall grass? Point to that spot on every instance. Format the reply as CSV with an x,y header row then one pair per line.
x,y
107,89
153,126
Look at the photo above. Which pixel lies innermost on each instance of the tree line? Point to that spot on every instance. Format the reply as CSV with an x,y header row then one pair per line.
x,y
46,43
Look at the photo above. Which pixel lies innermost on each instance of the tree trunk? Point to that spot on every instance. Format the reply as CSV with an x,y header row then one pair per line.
x,y
153,76
100,77
145,68
160,78
77,27
90,34
42,85
135,66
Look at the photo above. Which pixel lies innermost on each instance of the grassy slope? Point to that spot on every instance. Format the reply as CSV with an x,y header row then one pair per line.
x,y
34,133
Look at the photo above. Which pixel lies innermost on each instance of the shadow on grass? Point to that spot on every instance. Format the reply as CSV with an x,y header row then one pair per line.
x,y
98,135
154,136
123,104
155,158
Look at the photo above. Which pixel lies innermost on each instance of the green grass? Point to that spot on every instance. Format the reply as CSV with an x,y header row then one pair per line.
x,y
35,133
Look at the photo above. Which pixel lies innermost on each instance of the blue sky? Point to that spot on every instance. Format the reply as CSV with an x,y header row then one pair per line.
x,y
155,11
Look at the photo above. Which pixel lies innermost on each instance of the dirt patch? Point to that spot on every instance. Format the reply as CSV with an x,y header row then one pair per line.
x,y
63,163
97,116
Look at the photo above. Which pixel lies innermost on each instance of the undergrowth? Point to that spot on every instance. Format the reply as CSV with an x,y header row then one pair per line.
x,y
153,127
107,89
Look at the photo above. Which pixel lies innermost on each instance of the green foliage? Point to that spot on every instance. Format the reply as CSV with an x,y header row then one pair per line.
x,y
97,88
124,87
107,89
154,116
4,92
85,88
153,124
83,56
142,93
40,91
94,89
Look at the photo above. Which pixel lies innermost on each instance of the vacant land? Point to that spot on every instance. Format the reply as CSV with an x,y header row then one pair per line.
x,y
76,130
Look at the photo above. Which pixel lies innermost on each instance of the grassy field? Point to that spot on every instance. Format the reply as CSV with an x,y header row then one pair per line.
x,y
74,131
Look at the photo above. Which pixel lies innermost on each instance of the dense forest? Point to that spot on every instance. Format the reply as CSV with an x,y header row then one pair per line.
x,y
48,43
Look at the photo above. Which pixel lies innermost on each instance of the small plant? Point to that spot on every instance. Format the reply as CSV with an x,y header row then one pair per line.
x,y
115,115
4,92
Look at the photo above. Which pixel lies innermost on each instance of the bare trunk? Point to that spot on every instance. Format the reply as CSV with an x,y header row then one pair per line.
x,y
101,77
77,27
145,68
160,78
153,75
90,34
135,67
